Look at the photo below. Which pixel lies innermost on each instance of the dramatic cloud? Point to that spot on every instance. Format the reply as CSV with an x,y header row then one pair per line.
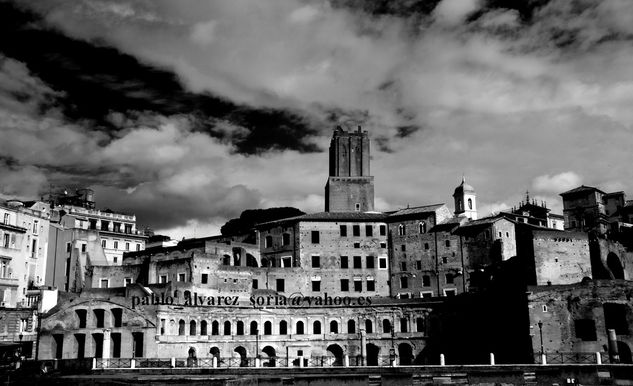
x,y
188,112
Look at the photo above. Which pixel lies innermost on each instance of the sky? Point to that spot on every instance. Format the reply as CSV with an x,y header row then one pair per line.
x,y
188,112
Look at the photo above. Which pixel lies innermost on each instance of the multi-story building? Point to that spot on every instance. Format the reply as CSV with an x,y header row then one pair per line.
x,y
82,235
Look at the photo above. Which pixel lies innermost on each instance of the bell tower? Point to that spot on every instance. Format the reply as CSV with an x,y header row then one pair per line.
x,y
349,187
465,201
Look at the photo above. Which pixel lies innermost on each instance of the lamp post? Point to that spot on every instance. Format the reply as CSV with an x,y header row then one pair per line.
x,y
540,330
257,343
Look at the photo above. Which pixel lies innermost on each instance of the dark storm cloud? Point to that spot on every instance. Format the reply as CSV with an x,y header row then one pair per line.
x,y
97,81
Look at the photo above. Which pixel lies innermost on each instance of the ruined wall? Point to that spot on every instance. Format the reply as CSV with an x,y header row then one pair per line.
x,y
615,258
573,316
343,193
561,257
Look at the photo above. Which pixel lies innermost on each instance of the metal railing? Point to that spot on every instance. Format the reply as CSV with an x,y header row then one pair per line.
x,y
559,358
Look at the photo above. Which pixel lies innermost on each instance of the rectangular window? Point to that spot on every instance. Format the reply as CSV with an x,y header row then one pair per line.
x,y
403,248
357,262
426,281
371,285
356,230
34,249
116,245
450,279
358,285
103,244
383,230
315,237
205,278
255,284
181,277
356,245
450,292
163,279
404,282
116,259
344,285
448,243
104,283
370,261
382,263
6,218
418,265
426,294
35,226
127,281
281,285
285,239
426,246
403,266
127,246
343,230
83,248
138,247
615,318
162,326
316,285
344,262
6,238
383,245
586,330
316,261
68,247
369,230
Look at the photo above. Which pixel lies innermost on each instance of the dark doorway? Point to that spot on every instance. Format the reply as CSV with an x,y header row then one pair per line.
x,y
372,354
625,353
137,344
81,345
243,359
59,345
116,344
98,344
215,352
405,353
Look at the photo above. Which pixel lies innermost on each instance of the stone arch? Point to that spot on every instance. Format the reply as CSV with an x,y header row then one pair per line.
x,y
227,328
316,327
215,328
337,352
333,327
253,328
192,328
268,328
351,326
624,351
241,351
203,327
251,261
181,327
299,329
369,327
615,266
272,356
405,352
215,352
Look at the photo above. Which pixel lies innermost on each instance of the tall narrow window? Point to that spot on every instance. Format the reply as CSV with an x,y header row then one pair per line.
x,y
383,230
315,237
285,239
343,230
356,230
369,230
422,227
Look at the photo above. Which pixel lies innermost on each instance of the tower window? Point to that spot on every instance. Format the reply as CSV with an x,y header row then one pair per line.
x,y
357,207
470,204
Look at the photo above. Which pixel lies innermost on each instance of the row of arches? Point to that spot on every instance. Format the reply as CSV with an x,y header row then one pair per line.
x,y
300,327
404,352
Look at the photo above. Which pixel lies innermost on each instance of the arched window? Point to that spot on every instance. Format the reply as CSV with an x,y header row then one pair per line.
x,y
369,327
268,328
283,327
299,329
470,204
351,327
181,327
316,327
227,328
401,230
386,326
334,327
254,330
422,227
240,328
459,205
215,328
192,327
203,327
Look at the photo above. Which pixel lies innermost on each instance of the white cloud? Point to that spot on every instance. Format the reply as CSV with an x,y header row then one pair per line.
x,y
454,11
557,183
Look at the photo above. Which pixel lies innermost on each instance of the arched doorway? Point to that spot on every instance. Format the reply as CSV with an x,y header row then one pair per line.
x,y
215,353
241,351
615,266
405,353
337,352
372,354
272,354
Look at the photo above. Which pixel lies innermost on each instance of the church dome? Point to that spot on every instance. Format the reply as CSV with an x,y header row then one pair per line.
x,y
463,188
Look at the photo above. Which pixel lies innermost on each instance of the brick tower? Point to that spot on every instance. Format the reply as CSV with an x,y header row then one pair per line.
x,y
349,187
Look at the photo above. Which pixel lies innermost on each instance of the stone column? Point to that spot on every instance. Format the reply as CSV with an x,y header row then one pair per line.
x,y
614,355
363,346
106,344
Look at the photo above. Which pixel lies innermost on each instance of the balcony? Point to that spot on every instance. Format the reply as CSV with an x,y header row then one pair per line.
x,y
9,281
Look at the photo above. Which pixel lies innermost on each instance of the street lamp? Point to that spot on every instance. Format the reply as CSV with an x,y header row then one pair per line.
x,y
257,343
540,329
